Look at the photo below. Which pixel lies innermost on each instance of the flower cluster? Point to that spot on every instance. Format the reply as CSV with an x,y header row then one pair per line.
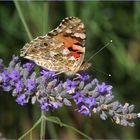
x,y
51,92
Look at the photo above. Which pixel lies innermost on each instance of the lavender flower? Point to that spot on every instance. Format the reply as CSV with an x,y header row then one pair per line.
x,y
70,85
90,101
104,89
84,76
85,111
19,86
89,95
22,99
30,84
44,105
29,66
78,97
14,75
4,76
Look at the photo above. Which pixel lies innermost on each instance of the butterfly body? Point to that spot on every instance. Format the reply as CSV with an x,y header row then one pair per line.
x,y
61,50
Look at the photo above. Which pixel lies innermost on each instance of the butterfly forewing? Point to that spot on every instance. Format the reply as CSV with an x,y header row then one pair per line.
x,y
60,50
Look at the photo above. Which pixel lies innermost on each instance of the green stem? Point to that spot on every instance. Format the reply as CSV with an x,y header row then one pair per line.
x,y
31,129
51,130
43,126
31,135
22,19
45,17
70,8
67,126
76,130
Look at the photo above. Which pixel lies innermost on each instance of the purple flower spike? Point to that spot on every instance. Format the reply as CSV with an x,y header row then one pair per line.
x,y
55,105
47,74
70,85
29,66
14,75
22,99
4,76
94,81
6,86
78,98
52,92
30,84
15,58
84,76
19,86
90,101
104,89
84,110
44,105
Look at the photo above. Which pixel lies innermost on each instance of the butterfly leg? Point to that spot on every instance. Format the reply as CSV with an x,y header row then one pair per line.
x,y
77,76
58,73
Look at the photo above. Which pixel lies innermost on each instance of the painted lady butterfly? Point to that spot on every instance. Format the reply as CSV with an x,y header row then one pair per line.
x,y
61,50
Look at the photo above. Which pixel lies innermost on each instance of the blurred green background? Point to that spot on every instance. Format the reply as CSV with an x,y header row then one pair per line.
x,y
104,21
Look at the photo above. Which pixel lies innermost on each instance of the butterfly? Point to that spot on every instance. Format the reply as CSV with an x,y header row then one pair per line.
x,y
61,50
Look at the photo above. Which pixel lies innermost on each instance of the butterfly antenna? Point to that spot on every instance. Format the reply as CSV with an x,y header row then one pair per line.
x,y
99,50
104,73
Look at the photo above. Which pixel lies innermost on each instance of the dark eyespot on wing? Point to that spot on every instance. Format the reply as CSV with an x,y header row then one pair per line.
x,y
53,33
79,44
80,52
71,49
33,50
67,35
45,44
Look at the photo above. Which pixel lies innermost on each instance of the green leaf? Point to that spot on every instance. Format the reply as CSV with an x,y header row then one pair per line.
x,y
54,119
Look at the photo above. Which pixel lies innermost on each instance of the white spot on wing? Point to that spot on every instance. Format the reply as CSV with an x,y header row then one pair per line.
x,y
65,51
52,53
81,35
81,26
72,58
68,31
